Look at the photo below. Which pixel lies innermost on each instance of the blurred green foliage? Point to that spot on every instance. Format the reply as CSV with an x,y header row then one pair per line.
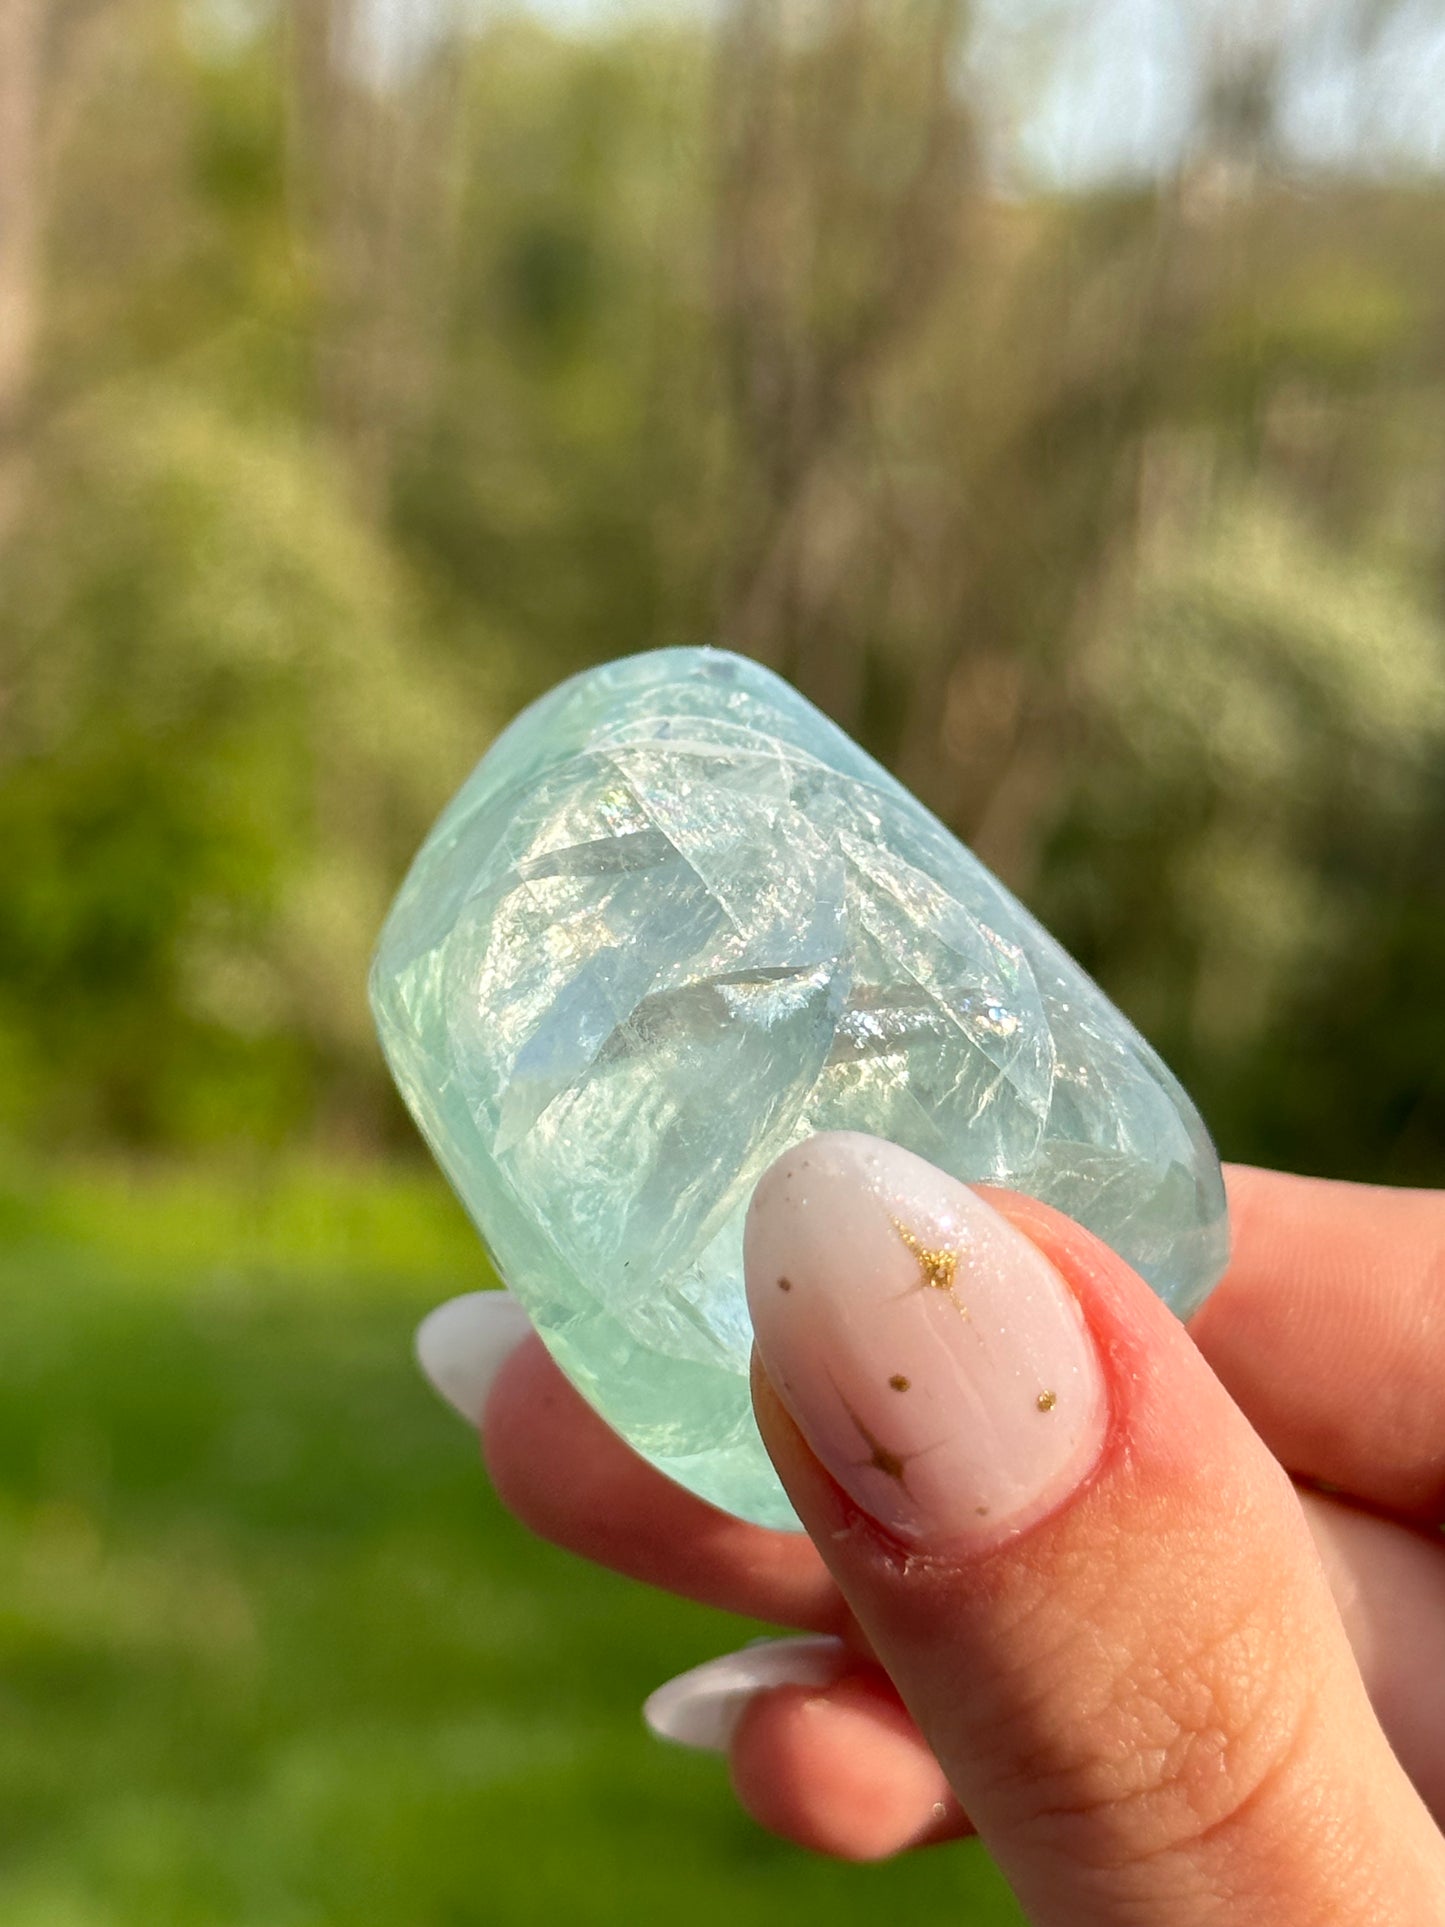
x,y
217,756
360,409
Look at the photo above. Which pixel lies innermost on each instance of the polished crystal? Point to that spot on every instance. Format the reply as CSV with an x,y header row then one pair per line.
x,y
676,921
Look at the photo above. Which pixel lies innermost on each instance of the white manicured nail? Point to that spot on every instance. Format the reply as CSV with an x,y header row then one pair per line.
x,y
463,1344
700,1709
934,1359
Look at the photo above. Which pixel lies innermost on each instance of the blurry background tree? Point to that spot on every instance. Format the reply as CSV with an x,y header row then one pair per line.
x,y
363,369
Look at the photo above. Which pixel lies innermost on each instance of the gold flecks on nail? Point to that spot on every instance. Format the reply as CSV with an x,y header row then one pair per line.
x,y
982,1511
785,1284
939,1266
898,1382
1046,1401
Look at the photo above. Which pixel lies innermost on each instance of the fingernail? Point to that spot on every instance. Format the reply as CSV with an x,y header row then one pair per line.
x,y
463,1344
932,1357
700,1709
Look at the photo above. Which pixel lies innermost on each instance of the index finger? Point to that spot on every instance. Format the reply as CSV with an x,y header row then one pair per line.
x,y
567,1476
1329,1331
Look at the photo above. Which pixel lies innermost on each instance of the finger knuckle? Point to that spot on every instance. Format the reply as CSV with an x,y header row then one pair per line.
x,y
1174,1739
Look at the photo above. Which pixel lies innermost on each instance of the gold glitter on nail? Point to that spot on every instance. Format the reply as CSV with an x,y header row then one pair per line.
x,y
1046,1401
898,1382
938,1266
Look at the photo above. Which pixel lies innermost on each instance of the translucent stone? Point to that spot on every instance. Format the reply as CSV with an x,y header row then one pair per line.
x,y
676,921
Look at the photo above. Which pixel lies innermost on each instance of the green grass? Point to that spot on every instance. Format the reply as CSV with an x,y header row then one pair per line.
x,y
271,1655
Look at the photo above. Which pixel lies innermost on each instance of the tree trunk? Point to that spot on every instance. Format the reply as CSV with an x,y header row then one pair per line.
x,y
22,47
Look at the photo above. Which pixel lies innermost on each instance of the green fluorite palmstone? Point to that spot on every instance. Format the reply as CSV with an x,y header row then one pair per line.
x,y
676,921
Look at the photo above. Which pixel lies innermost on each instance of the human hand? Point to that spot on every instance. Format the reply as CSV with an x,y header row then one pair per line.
x,y
1127,1672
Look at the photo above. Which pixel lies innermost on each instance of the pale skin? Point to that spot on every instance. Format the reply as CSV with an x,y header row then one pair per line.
x,y
1208,1689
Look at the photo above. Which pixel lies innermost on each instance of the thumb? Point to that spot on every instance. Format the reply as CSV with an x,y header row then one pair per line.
x,y
1089,1580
